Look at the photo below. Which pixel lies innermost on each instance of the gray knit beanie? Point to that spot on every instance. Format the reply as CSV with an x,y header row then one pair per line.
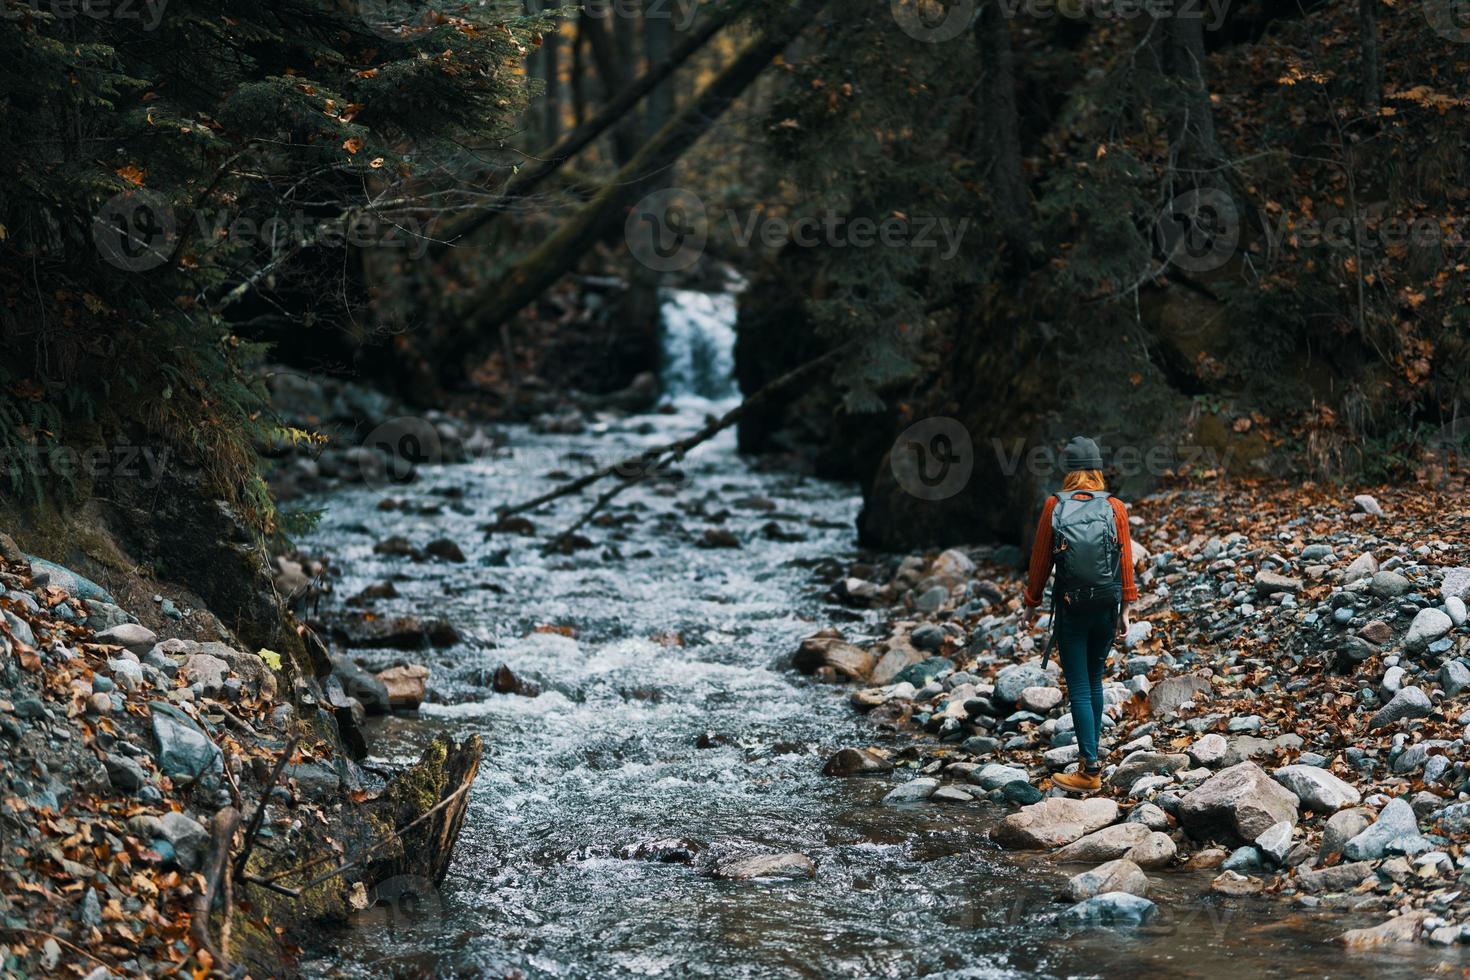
x,y
1081,454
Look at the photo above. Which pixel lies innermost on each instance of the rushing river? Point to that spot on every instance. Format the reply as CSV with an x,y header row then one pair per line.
x,y
668,711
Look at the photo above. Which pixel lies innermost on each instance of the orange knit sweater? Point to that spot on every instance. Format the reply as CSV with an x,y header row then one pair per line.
x,y
1041,551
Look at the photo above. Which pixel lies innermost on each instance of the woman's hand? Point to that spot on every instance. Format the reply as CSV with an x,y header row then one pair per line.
x,y
1123,621
1032,612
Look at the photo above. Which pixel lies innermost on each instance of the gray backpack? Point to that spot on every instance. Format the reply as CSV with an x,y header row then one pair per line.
x,y
1086,553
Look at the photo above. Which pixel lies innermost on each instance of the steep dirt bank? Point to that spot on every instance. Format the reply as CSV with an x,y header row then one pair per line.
x,y
141,733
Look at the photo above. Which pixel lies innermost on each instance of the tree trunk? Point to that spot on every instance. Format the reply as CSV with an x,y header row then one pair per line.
x,y
1001,127
1194,121
529,277
551,72
1368,23
579,92
606,57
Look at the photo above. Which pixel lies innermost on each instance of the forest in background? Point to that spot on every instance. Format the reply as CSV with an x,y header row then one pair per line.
x,y
1238,227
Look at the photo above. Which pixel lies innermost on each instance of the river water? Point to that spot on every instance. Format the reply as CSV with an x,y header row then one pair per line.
x,y
668,711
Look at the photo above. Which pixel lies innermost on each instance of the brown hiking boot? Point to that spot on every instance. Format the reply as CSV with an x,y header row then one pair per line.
x,y
1078,782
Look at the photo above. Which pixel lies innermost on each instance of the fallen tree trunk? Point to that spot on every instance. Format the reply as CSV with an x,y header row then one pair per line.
x,y
531,276
550,160
546,163
635,468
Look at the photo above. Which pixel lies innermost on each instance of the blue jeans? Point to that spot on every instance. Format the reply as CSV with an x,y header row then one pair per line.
x,y
1083,640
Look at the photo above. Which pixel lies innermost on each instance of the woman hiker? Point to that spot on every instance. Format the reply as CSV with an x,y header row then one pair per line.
x,y
1083,533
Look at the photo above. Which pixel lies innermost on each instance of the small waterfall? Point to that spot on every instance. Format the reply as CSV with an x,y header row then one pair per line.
x,y
698,342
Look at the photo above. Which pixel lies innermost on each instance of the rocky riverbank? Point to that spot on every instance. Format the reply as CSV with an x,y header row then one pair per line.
x,y
1290,707
181,802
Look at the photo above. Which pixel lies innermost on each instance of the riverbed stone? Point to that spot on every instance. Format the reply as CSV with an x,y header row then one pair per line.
x,y
1157,850
856,762
1269,583
1317,789
1039,699
1146,763
1121,875
1150,816
893,662
1429,625
1456,582
1209,750
1165,697
186,835
825,650
1105,844
130,636
913,791
1363,566
1337,878
1388,585
1395,820
1015,678
406,685
1238,803
1275,843
790,865
1409,702
1405,928
1054,822
184,752
1233,884
1111,909
994,776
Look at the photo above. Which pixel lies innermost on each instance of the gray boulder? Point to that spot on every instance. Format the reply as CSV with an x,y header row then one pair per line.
x,y
1388,585
912,791
1238,803
1121,875
1146,763
1409,702
187,836
1428,626
1013,679
1317,789
131,636
1054,822
1104,845
1394,821
1111,909
792,865
184,752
